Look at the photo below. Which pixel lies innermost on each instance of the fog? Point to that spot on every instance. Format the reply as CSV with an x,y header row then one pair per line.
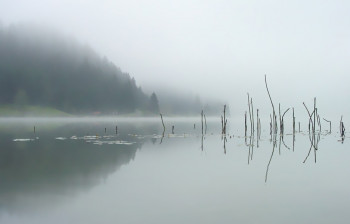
x,y
216,49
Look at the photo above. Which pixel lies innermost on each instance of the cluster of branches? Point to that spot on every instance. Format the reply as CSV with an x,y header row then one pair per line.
x,y
223,122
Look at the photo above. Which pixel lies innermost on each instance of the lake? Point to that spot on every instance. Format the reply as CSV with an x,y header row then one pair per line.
x,y
82,171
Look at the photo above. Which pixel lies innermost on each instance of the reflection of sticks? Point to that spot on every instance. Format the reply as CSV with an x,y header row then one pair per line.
x,y
248,154
308,154
284,143
279,145
314,143
268,165
315,154
225,140
293,142
252,146
161,140
202,142
259,128
205,120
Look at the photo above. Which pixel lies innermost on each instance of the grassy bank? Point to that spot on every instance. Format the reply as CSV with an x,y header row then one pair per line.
x,y
33,111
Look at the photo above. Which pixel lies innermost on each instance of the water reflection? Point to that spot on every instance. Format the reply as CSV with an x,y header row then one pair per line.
x,y
274,142
282,140
202,140
314,140
224,139
250,146
60,161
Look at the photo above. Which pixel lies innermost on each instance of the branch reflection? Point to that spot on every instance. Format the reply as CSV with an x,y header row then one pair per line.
x,y
274,143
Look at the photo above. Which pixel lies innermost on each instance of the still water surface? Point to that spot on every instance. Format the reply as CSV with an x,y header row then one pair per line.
x,y
81,171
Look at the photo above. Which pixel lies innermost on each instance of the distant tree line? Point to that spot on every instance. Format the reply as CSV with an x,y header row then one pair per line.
x,y
41,67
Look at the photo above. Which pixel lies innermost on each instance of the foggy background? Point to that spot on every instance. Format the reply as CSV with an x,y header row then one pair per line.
x,y
216,49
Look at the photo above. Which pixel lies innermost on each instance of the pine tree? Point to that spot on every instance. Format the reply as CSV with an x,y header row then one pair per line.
x,y
154,104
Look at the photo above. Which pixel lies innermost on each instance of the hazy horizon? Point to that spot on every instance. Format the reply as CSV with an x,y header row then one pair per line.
x,y
219,50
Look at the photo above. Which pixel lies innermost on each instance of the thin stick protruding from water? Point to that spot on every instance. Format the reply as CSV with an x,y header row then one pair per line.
x,y
245,124
282,124
224,122
293,122
274,125
250,116
342,127
161,117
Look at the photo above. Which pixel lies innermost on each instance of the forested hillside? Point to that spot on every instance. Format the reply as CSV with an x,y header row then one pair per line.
x,y
41,67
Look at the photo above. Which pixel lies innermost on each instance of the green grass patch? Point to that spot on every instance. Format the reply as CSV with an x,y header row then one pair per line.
x,y
32,111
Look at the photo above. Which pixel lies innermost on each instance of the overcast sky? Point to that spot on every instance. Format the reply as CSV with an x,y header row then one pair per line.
x,y
220,49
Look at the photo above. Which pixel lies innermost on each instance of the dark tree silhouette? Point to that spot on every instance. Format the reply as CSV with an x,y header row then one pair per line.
x,y
41,67
153,103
